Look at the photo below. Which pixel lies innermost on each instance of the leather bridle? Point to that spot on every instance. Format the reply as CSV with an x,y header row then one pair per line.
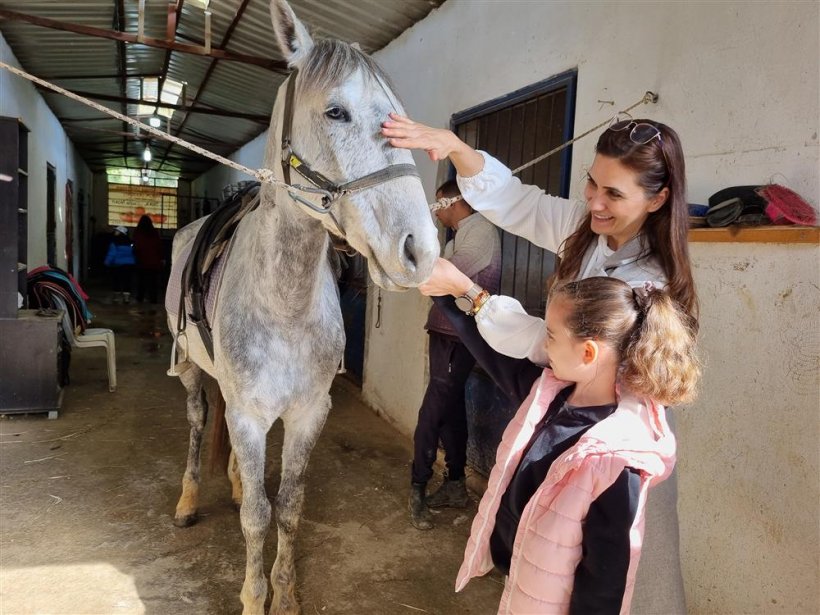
x,y
321,185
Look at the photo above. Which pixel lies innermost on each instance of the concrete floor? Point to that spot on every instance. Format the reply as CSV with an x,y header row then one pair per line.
x,y
86,505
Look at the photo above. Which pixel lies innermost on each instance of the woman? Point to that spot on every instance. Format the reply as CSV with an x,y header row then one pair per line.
x,y
148,253
632,226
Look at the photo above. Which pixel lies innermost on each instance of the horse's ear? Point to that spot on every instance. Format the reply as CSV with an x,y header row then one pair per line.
x,y
292,35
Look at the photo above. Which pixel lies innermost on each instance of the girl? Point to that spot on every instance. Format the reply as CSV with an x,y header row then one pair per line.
x,y
563,513
120,260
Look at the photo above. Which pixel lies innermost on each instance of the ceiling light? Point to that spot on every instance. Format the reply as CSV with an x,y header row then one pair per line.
x,y
154,121
146,155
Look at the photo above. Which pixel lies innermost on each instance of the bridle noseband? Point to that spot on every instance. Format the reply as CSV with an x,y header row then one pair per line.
x,y
330,191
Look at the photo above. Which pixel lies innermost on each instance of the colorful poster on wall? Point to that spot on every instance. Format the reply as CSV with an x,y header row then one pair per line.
x,y
127,204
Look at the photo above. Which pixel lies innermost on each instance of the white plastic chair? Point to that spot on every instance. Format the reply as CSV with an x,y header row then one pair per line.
x,y
91,338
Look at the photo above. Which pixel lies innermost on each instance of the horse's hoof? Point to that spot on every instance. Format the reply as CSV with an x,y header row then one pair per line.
x,y
186,521
288,609
237,506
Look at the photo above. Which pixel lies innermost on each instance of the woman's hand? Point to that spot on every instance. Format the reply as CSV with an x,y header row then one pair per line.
x,y
446,279
439,143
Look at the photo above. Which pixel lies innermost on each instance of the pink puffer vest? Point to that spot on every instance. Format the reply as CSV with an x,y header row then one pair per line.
x,y
547,546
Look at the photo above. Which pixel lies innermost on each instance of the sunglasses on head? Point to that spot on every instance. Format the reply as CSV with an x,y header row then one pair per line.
x,y
640,133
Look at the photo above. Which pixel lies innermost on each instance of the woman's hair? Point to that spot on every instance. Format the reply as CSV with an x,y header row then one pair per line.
x,y
145,224
658,163
654,337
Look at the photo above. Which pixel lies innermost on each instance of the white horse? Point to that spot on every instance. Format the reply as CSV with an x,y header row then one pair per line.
x,y
278,335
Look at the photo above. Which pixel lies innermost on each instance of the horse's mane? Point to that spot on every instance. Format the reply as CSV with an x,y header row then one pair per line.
x,y
330,61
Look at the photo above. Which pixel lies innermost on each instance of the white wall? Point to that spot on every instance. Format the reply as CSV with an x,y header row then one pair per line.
x,y
748,456
211,183
47,143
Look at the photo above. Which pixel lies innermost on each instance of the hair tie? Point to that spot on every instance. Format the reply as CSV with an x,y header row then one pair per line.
x,y
642,294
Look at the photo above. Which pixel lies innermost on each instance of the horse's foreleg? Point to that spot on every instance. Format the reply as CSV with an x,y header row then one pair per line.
x,y
302,428
248,440
197,414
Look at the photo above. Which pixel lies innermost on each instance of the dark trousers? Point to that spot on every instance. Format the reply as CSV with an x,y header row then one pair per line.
x,y
443,413
147,282
121,278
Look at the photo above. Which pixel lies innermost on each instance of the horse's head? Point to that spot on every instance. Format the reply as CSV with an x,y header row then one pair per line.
x,y
340,97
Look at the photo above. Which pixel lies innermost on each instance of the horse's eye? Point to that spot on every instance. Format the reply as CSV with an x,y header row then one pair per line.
x,y
338,114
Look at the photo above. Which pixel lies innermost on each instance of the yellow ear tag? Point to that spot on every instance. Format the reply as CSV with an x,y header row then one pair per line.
x,y
295,162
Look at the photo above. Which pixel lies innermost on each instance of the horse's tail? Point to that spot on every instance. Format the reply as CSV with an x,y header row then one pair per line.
x,y
220,441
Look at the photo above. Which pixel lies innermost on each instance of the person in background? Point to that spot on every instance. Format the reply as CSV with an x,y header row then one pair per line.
x,y
631,224
148,255
120,262
563,513
474,248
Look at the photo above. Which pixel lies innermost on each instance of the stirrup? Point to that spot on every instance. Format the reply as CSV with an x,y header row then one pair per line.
x,y
178,367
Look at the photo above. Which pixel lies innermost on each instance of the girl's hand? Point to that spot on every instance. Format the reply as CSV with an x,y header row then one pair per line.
x,y
446,279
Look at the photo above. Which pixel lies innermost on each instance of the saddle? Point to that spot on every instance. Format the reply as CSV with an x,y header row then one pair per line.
x,y
212,241
206,259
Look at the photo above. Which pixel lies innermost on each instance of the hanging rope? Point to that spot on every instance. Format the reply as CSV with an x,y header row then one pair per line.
x,y
649,97
263,175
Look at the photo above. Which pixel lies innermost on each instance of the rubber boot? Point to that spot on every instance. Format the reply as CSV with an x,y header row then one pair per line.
x,y
452,493
420,516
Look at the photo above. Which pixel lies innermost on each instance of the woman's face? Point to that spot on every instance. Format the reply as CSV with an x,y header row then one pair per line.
x,y
617,203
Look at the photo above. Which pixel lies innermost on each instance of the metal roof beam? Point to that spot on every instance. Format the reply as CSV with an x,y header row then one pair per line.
x,y
90,77
204,83
262,119
125,37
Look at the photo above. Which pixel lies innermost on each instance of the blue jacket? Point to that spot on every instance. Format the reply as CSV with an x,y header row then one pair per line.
x,y
119,255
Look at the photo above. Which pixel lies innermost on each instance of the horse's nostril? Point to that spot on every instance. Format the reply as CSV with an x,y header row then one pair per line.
x,y
410,250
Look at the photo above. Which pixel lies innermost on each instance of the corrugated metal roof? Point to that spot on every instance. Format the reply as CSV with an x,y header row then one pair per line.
x,y
215,87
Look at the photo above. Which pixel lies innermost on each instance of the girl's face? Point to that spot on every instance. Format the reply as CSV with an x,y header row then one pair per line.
x,y
618,205
566,353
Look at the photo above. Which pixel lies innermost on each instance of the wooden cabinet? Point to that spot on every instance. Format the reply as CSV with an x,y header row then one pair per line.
x,y
29,360
29,341
13,214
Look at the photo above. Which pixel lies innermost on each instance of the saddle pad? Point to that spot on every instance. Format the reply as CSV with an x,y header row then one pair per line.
x,y
174,290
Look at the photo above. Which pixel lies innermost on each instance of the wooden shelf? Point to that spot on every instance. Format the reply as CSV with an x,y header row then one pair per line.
x,y
756,234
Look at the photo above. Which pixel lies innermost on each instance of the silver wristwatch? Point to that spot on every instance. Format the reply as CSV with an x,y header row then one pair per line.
x,y
466,302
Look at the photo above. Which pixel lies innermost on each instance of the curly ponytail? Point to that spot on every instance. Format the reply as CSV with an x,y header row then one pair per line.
x,y
653,335
659,359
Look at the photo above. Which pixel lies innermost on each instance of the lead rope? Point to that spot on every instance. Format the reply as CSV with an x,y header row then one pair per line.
x,y
649,97
263,175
